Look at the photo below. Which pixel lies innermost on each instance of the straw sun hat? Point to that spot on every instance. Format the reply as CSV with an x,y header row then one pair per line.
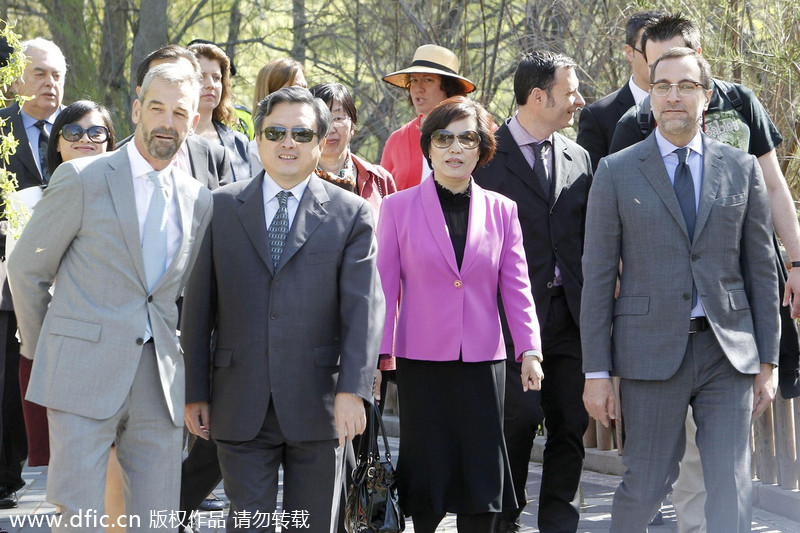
x,y
430,59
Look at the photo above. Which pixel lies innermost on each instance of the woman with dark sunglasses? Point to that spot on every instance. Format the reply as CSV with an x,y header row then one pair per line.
x,y
82,128
452,246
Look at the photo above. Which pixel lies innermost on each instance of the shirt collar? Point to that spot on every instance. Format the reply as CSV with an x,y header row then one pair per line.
x,y
665,147
638,93
139,165
28,121
271,189
521,135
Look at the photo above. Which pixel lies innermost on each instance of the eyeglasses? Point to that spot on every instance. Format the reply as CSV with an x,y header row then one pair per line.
x,y
685,88
278,133
340,121
75,132
637,50
467,139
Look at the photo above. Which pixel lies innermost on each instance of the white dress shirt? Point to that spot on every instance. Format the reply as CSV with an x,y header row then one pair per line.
x,y
270,190
143,190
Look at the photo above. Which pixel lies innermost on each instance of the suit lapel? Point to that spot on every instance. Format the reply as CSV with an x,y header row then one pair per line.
x,y
252,218
434,217
120,184
712,178
651,165
515,162
624,100
310,214
24,152
476,227
562,162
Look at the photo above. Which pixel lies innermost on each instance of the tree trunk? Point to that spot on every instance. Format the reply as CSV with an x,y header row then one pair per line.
x,y
149,33
65,18
114,49
299,30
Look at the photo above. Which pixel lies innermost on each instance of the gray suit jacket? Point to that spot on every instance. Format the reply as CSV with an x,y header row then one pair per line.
x,y
296,336
633,215
87,340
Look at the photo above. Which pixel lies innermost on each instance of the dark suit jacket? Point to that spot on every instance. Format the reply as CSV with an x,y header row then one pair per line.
x,y
237,146
23,166
556,226
210,163
597,122
294,337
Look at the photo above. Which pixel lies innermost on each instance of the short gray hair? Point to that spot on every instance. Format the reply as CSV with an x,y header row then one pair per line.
x,y
45,45
176,74
293,95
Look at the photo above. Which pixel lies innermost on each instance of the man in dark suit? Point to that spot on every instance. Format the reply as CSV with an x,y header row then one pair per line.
x,y
597,121
43,81
286,284
548,176
696,319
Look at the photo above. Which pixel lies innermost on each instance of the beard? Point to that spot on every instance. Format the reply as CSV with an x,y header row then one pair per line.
x,y
162,148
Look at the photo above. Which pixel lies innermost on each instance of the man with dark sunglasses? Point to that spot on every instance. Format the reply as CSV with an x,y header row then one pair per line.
x,y
286,284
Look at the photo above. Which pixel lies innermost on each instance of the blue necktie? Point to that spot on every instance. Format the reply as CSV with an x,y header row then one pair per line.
x,y
44,139
154,238
279,228
540,166
684,190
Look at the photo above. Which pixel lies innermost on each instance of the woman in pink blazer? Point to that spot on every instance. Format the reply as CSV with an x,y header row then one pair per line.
x,y
445,250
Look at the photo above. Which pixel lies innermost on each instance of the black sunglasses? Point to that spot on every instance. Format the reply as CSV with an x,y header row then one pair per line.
x,y
74,132
467,139
278,133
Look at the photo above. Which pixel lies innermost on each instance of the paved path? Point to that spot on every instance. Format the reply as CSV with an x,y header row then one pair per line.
x,y
597,490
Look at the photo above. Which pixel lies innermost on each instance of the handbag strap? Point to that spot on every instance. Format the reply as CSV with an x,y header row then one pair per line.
x,y
376,414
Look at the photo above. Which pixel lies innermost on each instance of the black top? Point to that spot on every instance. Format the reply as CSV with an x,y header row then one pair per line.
x,y
455,207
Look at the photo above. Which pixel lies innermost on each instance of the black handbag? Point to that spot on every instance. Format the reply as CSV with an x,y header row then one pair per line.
x,y
372,505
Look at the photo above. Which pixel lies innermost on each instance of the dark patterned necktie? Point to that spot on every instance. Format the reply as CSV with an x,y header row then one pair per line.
x,y
540,166
684,190
44,139
279,228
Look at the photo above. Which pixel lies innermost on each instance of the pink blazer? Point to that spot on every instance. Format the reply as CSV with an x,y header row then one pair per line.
x,y
402,155
444,311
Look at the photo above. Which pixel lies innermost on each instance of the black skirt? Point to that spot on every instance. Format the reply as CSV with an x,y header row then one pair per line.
x,y
453,456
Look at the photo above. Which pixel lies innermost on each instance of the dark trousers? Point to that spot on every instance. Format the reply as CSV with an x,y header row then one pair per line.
x,y
14,443
566,420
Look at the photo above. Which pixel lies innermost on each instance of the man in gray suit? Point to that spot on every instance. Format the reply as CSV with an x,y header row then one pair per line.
x,y
286,285
117,231
696,320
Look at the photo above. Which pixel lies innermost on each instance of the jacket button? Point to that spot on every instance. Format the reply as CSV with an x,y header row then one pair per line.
x,y
687,296
273,316
695,257
457,284
150,298
140,341
549,284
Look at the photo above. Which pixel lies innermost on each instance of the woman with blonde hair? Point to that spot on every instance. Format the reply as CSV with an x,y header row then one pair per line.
x,y
276,74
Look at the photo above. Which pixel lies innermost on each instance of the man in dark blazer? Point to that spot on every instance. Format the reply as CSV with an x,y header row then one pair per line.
x,y
548,176
286,284
597,121
43,81
696,319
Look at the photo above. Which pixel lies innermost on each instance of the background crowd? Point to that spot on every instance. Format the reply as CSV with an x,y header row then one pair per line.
x,y
475,269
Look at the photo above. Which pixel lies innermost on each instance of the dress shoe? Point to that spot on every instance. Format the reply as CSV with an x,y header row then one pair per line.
x,y
212,504
8,497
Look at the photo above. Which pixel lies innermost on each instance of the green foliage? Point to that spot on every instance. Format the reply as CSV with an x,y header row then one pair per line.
x,y
8,144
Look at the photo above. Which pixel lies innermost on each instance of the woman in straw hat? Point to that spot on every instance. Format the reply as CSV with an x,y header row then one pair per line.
x,y
432,77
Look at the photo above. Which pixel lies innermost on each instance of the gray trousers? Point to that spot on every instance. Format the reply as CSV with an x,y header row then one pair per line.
x,y
655,412
148,449
312,481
